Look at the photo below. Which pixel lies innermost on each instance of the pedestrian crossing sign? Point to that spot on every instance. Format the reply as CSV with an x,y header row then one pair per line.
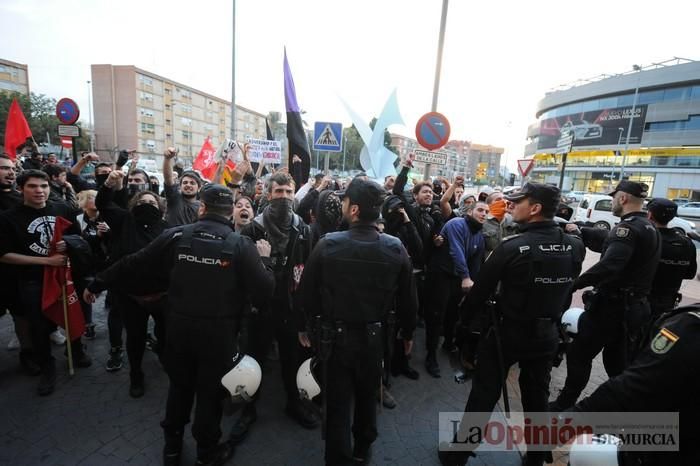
x,y
328,136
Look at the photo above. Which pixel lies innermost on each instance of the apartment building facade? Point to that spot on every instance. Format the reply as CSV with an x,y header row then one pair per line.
x,y
140,110
14,77
463,158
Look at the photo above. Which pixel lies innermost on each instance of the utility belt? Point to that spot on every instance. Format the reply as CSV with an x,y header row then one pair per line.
x,y
506,320
327,335
537,328
593,299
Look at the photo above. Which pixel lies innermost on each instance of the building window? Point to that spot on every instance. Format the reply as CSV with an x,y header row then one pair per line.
x,y
146,80
148,128
186,121
146,112
149,145
147,96
187,135
185,108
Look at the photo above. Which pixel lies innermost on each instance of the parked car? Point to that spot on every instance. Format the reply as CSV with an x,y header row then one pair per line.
x,y
575,196
596,210
691,209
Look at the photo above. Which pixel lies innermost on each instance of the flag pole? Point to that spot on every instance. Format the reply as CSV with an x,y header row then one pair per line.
x,y
69,347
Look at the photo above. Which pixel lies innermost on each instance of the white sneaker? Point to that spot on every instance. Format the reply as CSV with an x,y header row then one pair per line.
x,y
13,344
57,338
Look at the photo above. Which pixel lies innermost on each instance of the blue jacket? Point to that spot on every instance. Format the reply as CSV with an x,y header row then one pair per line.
x,y
466,248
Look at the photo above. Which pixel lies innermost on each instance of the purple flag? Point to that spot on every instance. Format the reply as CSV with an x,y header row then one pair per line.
x,y
298,144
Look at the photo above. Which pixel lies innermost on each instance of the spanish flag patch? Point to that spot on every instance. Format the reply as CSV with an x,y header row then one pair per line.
x,y
663,341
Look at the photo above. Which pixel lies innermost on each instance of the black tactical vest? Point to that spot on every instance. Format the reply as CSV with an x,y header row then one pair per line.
x,y
360,277
552,276
677,256
540,274
203,280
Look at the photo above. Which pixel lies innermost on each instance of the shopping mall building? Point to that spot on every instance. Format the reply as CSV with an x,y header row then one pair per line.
x,y
645,124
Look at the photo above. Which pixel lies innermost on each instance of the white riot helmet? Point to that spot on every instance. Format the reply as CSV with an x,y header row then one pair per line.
x,y
306,380
595,450
244,379
570,318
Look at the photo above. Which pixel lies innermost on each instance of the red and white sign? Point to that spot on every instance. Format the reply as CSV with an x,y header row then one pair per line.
x,y
67,142
525,165
433,130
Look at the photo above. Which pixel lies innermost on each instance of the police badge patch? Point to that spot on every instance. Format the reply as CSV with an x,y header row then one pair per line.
x,y
622,232
663,341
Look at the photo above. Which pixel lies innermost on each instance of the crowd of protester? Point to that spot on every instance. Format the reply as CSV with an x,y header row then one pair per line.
x,y
118,211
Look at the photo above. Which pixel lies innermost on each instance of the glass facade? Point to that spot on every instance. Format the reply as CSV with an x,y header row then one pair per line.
x,y
602,161
598,182
672,94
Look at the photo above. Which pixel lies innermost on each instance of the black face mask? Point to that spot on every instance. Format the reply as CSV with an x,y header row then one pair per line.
x,y
281,211
474,226
146,214
100,179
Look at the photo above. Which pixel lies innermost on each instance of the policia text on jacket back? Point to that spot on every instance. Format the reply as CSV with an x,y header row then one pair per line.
x,y
617,309
534,272
210,272
677,261
351,281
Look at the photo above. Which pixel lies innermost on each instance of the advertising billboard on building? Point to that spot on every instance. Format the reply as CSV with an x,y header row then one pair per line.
x,y
606,127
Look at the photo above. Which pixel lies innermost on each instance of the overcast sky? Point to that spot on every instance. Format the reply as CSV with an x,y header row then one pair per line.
x,y
499,57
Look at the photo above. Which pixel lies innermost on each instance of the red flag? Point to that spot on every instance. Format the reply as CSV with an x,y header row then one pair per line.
x,y
17,130
206,161
52,297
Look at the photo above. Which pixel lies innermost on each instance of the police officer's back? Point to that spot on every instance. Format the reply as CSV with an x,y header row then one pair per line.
x,y
617,309
677,260
534,272
629,252
351,281
210,273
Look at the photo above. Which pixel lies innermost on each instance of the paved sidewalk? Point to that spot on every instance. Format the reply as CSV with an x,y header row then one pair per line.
x,y
90,419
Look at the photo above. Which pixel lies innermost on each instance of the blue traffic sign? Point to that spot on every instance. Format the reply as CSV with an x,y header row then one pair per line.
x,y
67,111
328,136
433,130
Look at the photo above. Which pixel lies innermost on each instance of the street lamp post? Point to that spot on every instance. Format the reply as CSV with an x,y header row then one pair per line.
x,y
637,68
233,74
438,67
92,130
612,171
345,149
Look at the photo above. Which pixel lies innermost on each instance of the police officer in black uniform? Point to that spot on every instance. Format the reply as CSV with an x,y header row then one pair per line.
x,y
665,377
536,270
350,282
677,261
210,272
617,309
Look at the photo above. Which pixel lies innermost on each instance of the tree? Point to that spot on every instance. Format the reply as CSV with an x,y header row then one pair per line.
x,y
387,137
353,147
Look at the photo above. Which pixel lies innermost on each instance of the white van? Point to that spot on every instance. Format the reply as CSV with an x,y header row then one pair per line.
x,y
596,210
